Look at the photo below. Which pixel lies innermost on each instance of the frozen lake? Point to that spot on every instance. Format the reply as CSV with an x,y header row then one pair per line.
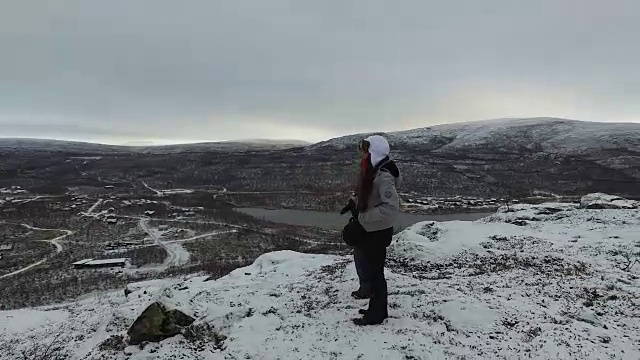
x,y
331,220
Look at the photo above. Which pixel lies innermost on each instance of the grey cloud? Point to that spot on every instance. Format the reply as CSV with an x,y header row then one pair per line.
x,y
310,69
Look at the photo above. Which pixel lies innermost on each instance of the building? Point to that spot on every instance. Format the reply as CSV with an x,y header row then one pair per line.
x,y
6,247
103,263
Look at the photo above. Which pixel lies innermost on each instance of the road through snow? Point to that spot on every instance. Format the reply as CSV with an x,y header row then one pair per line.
x,y
185,221
55,242
176,254
88,213
167,191
150,188
204,236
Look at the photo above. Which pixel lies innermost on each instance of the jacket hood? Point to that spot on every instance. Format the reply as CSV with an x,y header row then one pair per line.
x,y
390,167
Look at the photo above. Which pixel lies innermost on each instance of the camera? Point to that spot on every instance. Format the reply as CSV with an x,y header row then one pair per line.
x,y
351,207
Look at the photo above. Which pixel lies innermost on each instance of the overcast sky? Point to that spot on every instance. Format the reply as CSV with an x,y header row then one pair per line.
x,y
125,71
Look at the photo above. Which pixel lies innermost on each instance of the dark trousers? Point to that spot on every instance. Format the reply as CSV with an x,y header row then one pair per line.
x,y
362,269
375,255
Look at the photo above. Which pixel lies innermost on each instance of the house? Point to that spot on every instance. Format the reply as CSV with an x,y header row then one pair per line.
x,y
103,263
6,247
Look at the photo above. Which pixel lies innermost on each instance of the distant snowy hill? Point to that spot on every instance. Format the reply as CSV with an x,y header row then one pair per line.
x,y
552,281
291,142
513,157
91,148
27,144
537,134
229,146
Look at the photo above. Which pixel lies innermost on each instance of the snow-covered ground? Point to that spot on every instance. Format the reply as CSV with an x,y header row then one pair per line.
x,y
553,281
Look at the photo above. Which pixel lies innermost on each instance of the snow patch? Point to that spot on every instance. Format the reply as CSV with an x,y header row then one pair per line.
x,y
605,201
27,320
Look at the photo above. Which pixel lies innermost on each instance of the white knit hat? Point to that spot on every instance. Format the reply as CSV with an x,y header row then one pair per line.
x,y
378,148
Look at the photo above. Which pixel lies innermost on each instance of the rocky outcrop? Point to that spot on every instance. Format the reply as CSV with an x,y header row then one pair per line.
x,y
605,201
157,323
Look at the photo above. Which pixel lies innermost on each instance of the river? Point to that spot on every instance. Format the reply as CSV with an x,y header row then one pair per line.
x,y
334,221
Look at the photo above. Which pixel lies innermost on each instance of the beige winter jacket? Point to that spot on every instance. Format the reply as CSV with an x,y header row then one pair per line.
x,y
384,202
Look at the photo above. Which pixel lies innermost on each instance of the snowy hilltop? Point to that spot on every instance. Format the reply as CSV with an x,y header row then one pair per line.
x,y
512,157
543,281
553,135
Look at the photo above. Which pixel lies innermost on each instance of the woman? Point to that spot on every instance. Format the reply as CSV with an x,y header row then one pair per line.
x,y
378,206
359,256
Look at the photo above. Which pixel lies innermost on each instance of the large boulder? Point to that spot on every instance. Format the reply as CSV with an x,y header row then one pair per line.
x,y
157,323
605,201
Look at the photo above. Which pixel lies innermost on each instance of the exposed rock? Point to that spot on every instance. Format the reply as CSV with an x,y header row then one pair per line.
x,y
604,339
519,222
549,211
605,201
588,317
157,323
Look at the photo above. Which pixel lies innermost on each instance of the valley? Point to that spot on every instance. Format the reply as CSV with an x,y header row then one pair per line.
x,y
171,209
79,221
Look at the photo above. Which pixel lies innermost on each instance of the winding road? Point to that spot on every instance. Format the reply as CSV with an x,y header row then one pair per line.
x,y
176,254
220,232
167,191
150,188
55,242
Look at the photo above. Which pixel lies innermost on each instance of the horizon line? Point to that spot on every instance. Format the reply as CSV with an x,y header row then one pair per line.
x,y
166,142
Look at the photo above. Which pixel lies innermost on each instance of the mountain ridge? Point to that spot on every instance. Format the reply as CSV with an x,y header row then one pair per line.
x,y
553,131
70,145
470,133
497,158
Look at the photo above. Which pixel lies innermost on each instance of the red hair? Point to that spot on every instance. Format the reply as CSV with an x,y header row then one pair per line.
x,y
365,184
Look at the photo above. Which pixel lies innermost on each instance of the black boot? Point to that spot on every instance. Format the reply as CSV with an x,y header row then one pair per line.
x,y
364,312
361,294
363,321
